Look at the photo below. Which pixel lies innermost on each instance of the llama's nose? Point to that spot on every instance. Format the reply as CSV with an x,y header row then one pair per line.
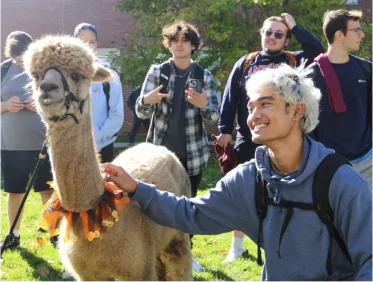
x,y
48,86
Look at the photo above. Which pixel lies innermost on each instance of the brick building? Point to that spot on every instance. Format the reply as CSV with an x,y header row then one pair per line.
x,y
38,17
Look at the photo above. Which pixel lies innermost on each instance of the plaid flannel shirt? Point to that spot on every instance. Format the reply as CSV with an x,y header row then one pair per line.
x,y
195,131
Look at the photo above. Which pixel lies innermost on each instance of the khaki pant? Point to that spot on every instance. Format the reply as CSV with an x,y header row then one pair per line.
x,y
365,168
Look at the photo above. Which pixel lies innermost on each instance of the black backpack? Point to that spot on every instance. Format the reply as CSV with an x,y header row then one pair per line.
x,y
5,67
197,72
320,193
106,87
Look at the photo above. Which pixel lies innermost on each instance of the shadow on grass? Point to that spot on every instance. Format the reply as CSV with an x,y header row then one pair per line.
x,y
247,255
41,268
216,273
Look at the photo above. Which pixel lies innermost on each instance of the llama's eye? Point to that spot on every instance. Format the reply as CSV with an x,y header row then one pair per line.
x,y
76,77
36,76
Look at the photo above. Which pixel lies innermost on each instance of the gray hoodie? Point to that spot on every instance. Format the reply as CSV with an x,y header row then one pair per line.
x,y
304,246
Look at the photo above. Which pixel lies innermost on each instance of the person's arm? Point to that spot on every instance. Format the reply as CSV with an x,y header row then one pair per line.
x,y
230,99
311,46
368,74
151,94
227,207
12,105
115,118
351,201
211,113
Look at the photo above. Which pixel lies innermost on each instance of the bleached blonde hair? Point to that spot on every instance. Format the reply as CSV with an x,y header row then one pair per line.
x,y
293,86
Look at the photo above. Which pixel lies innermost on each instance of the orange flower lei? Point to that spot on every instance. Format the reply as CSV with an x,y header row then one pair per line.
x,y
94,221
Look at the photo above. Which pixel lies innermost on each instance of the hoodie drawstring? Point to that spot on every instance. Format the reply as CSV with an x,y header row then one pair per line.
x,y
289,206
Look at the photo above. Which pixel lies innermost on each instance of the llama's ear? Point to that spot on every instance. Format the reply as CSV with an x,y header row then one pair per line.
x,y
101,74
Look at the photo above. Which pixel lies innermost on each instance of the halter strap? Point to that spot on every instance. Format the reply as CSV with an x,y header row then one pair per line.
x,y
69,97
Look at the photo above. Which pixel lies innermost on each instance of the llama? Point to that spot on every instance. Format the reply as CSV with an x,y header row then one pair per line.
x,y
132,247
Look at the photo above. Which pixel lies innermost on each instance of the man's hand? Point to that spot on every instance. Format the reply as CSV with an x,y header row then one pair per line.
x,y
224,139
197,99
154,97
289,20
14,104
30,105
117,175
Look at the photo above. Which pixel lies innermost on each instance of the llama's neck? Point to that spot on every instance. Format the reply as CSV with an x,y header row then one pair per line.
x,y
75,166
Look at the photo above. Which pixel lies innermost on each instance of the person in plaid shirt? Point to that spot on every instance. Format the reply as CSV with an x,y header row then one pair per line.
x,y
178,113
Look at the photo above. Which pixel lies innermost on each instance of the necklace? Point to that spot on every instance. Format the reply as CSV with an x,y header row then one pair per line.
x,y
181,71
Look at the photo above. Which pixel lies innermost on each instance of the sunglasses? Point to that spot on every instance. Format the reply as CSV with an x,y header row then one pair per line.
x,y
278,35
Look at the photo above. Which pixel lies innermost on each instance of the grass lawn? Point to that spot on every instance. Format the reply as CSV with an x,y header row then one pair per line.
x,y
39,261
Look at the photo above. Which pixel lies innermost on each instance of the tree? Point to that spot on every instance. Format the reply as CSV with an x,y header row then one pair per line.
x,y
228,28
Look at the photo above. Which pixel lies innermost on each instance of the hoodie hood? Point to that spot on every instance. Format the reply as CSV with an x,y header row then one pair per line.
x,y
313,154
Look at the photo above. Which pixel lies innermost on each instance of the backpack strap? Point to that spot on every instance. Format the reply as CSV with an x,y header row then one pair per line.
x,y
261,206
106,87
291,57
249,58
5,67
198,72
320,193
164,76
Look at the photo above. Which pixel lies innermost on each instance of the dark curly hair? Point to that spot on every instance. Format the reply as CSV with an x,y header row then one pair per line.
x,y
171,31
16,43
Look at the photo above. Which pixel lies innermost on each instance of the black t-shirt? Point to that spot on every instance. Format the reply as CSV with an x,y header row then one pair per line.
x,y
174,138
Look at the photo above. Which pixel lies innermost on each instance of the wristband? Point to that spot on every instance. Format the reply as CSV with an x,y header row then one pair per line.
x,y
208,106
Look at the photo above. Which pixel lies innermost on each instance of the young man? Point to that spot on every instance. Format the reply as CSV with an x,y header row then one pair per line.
x,y
283,107
345,82
22,134
276,33
178,115
107,100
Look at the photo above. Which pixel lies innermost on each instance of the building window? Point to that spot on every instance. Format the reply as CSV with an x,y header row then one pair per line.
x,y
352,2
102,53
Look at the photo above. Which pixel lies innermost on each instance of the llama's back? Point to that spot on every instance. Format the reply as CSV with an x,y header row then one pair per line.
x,y
156,165
135,240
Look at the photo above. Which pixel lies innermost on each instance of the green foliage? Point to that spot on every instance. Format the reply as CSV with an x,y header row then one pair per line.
x,y
228,28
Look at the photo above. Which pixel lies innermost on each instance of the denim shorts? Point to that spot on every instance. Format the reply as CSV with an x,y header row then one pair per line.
x,y
17,168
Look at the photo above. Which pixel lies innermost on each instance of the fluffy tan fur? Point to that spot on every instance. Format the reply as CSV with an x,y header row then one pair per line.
x,y
135,248
65,51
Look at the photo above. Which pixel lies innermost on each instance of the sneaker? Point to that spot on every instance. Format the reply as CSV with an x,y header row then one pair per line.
x,y
235,254
54,241
13,242
196,265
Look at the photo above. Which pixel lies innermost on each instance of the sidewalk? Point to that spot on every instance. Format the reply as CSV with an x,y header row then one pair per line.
x,y
122,144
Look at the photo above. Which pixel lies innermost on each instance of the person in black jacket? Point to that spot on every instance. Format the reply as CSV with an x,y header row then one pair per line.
x,y
131,102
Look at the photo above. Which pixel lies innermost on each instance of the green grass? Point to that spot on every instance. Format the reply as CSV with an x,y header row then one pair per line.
x,y
42,263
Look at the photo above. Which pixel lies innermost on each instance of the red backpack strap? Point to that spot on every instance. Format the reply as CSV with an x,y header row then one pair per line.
x,y
249,58
292,59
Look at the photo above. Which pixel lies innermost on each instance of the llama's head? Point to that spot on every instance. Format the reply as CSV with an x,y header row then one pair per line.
x,y
61,69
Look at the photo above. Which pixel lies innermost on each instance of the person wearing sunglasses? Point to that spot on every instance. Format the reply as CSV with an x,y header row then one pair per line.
x,y
276,34
345,82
